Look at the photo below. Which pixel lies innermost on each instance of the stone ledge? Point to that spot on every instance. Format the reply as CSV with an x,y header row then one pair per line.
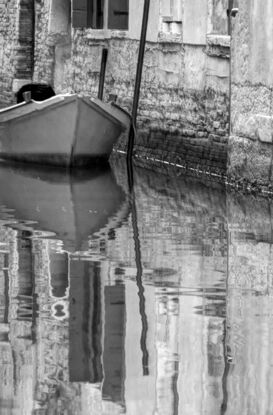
x,y
168,37
218,46
102,34
218,40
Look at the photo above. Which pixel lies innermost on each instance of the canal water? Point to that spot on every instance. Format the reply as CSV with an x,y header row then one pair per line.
x,y
153,301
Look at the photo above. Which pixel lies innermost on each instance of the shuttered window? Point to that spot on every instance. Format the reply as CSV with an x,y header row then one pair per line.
x,y
94,13
118,14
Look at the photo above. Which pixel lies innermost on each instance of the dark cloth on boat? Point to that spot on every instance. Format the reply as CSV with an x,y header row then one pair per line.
x,y
39,92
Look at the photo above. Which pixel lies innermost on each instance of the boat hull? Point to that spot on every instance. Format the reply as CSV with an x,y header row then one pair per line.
x,y
65,130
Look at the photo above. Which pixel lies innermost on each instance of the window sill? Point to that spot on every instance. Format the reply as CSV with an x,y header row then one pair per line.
x,y
166,37
101,34
171,30
218,40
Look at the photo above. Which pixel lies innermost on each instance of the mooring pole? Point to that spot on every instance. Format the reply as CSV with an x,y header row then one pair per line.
x,y
138,77
232,12
102,72
139,282
141,291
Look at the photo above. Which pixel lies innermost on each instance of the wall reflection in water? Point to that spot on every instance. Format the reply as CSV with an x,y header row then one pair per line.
x,y
250,305
73,336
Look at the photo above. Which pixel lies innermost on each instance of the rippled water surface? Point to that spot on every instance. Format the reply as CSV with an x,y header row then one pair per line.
x,y
155,301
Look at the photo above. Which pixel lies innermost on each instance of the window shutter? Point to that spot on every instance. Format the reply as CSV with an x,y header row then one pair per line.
x,y
87,13
118,14
80,13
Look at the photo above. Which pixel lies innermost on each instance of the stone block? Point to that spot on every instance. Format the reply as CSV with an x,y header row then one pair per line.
x,y
250,160
18,83
254,127
251,99
264,129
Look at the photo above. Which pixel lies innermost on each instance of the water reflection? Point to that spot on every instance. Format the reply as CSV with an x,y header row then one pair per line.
x,y
71,325
249,305
71,206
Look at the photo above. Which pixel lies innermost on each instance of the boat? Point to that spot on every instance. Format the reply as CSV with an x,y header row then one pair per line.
x,y
73,207
65,130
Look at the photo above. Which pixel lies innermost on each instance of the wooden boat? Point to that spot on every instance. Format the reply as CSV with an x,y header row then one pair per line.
x,y
65,130
71,207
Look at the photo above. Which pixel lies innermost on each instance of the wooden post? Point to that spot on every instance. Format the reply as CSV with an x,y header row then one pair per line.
x,y
102,72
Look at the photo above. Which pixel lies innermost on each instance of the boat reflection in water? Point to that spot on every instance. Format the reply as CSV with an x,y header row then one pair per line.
x,y
71,206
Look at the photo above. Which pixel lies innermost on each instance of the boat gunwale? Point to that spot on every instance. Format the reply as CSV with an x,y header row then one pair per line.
x,y
52,102
102,108
38,106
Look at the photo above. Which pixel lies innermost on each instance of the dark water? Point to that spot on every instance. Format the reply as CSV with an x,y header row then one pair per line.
x,y
158,302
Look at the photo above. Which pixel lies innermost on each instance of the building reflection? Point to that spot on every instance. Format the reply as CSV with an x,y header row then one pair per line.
x,y
114,338
250,302
6,360
85,323
83,328
71,330
96,347
47,359
18,365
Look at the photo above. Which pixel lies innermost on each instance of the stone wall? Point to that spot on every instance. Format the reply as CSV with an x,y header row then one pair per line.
x,y
8,20
16,46
251,149
183,110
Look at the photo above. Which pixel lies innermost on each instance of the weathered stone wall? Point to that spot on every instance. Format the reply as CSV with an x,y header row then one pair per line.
x,y
251,149
8,30
16,46
183,109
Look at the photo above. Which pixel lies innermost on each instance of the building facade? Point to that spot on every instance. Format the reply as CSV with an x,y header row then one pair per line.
x,y
250,154
183,112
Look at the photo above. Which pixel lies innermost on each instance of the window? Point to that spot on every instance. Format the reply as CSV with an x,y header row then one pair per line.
x,y
171,19
100,14
171,10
